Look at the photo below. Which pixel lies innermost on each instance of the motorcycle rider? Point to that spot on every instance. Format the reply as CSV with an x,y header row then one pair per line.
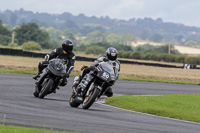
x,y
65,53
111,55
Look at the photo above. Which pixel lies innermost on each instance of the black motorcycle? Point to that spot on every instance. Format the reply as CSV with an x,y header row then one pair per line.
x,y
50,78
93,85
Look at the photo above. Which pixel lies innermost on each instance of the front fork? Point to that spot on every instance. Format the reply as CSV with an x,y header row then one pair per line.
x,y
75,84
40,79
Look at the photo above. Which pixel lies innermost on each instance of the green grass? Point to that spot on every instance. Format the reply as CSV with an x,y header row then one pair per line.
x,y
23,72
161,81
14,129
131,79
179,106
17,71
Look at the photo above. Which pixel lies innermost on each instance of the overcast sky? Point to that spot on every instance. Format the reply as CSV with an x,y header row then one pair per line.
x,y
179,11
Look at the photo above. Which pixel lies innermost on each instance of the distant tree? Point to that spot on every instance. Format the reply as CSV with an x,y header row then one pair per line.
x,y
69,34
4,40
95,50
123,47
156,38
128,39
190,43
93,37
54,33
147,48
55,43
114,38
32,32
86,29
100,28
5,35
78,36
4,30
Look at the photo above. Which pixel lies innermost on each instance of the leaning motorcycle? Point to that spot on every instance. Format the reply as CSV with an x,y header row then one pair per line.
x,y
93,85
50,78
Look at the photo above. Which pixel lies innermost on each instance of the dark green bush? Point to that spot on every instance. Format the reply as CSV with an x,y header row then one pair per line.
x,y
12,45
180,58
137,55
31,46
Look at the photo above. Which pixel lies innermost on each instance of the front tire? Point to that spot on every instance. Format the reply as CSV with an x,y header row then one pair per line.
x,y
45,89
90,99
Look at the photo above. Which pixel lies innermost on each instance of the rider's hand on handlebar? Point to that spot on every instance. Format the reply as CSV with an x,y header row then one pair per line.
x,y
92,67
46,58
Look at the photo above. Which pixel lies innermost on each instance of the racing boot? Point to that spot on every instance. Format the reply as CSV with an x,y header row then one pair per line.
x,y
36,76
36,92
64,82
109,92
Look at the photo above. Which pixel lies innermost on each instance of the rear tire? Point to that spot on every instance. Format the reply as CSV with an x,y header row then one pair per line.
x,y
90,99
45,89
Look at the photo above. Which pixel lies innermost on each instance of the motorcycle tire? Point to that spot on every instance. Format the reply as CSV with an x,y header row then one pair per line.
x,y
90,99
72,101
45,89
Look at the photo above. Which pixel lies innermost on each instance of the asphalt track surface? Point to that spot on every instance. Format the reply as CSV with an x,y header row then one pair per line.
x,y
19,107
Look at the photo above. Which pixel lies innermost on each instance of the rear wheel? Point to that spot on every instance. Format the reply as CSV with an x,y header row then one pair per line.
x,y
90,98
45,89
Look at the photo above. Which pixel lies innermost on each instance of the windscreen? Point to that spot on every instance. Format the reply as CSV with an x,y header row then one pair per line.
x,y
107,66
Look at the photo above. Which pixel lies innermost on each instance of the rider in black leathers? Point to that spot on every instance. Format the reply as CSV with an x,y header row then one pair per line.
x,y
111,54
65,53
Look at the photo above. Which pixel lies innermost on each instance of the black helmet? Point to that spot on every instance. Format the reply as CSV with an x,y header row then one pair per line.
x,y
111,53
67,45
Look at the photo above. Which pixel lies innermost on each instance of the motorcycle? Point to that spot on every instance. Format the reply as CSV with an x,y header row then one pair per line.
x,y
50,78
93,85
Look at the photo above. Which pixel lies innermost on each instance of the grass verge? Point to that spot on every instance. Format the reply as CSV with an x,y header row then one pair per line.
x,y
161,81
14,129
179,106
17,71
131,79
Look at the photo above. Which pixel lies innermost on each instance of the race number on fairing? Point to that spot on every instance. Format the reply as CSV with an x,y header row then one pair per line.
x,y
105,75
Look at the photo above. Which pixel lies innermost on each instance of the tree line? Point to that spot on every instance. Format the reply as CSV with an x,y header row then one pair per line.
x,y
29,36
49,38
160,57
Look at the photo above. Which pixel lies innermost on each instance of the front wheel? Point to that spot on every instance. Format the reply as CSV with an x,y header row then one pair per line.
x,y
90,98
45,89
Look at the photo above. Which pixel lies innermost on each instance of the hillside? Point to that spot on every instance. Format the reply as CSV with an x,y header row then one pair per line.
x,y
146,29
